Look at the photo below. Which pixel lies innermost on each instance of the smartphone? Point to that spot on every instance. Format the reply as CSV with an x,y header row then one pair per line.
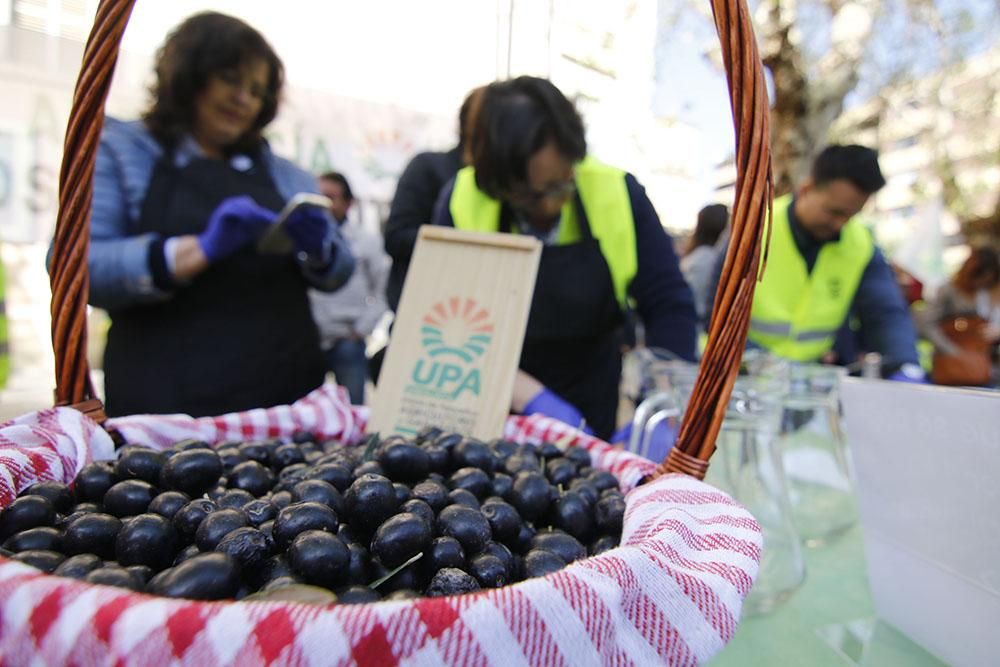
x,y
275,241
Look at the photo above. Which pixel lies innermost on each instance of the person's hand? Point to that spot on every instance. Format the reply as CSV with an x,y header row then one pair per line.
x,y
550,404
308,228
234,223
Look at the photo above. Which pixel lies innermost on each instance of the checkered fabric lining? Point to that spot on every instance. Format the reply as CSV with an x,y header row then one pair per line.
x,y
671,593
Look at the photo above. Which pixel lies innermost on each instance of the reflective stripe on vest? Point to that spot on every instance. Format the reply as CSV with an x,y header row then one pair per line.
x,y
605,199
796,314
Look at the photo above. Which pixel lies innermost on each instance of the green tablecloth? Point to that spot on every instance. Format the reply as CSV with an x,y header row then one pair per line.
x,y
835,592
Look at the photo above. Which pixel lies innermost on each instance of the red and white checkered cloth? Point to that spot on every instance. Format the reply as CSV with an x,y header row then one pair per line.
x,y
671,593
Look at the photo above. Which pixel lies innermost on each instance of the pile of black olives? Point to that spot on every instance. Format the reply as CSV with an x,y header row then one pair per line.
x,y
439,514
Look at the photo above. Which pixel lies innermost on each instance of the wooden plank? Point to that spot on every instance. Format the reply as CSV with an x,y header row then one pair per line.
x,y
457,337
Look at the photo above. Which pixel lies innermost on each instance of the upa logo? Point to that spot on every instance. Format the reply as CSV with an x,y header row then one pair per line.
x,y
454,335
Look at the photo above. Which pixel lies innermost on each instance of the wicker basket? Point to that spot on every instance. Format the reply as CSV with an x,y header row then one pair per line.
x,y
29,600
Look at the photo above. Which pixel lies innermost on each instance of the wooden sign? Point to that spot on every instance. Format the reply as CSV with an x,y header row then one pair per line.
x,y
456,340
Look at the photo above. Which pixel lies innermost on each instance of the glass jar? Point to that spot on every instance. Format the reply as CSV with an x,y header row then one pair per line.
x,y
814,454
747,465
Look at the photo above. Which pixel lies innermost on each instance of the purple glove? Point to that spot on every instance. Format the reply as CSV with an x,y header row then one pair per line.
x,y
552,405
234,223
900,376
660,443
309,227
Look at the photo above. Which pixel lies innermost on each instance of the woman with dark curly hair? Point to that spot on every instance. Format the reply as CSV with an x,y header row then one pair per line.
x,y
202,323
604,249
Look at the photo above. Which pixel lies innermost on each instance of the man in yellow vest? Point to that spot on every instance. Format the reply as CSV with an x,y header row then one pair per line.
x,y
823,265
604,247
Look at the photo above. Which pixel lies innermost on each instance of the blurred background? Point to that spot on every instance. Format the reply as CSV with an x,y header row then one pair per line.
x,y
370,84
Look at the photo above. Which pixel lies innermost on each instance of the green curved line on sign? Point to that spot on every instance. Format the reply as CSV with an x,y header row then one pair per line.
x,y
474,348
430,330
451,350
427,342
481,338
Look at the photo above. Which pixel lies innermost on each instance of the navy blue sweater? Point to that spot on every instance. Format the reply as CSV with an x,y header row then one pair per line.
x,y
662,299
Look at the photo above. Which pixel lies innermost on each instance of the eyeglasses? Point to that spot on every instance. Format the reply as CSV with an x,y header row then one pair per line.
x,y
236,79
530,197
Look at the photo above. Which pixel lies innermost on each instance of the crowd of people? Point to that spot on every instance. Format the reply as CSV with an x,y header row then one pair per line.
x,y
182,195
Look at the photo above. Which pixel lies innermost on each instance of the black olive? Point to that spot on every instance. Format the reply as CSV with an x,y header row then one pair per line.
x,y
260,510
433,493
336,474
60,495
578,456
136,462
248,546
189,444
357,568
448,441
77,567
471,453
506,557
193,471
357,595
404,462
402,492
438,458
401,538
464,498
300,517
505,522
488,570
530,495
318,491
268,529
586,491
188,518
129,498
42,538
281,582
466,525
548,450
319,558
46,561
519,463
560,471
290,476
210,576
92,533
369,468
524,536
503,448
302,437
94,480
420,509
603,480
473,480
114,575
502,484
234,499
451,581
252,477
254,451
24,513
409,577
539,562
230,458
286,455
565,546
187,552
572,515
369,501
609,514
142,572
427,433
147,539
282,499
403,594
217,525
275,567
602,544
443,552
168,503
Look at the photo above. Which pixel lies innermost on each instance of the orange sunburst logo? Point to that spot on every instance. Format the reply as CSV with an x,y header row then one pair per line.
x,y
458,327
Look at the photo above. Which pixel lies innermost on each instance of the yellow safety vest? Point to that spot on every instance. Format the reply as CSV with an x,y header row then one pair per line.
x,y
4,349
605,199
795,313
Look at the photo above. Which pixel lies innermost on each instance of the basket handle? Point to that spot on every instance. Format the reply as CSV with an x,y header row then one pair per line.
x,y
727,335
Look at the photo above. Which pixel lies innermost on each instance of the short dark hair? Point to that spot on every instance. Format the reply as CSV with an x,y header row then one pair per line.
x,y
467,114
712,220
203,46
337,177
516,119
857,164
983,262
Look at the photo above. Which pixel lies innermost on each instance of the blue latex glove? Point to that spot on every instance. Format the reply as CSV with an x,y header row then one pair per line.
x,y
660,443
234,223
900,376
309,228
550,404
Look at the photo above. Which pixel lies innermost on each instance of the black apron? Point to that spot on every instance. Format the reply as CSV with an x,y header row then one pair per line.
x,y
239,336
573,341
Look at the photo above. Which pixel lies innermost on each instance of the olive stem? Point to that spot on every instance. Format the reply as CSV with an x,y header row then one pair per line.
x,y
378,582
